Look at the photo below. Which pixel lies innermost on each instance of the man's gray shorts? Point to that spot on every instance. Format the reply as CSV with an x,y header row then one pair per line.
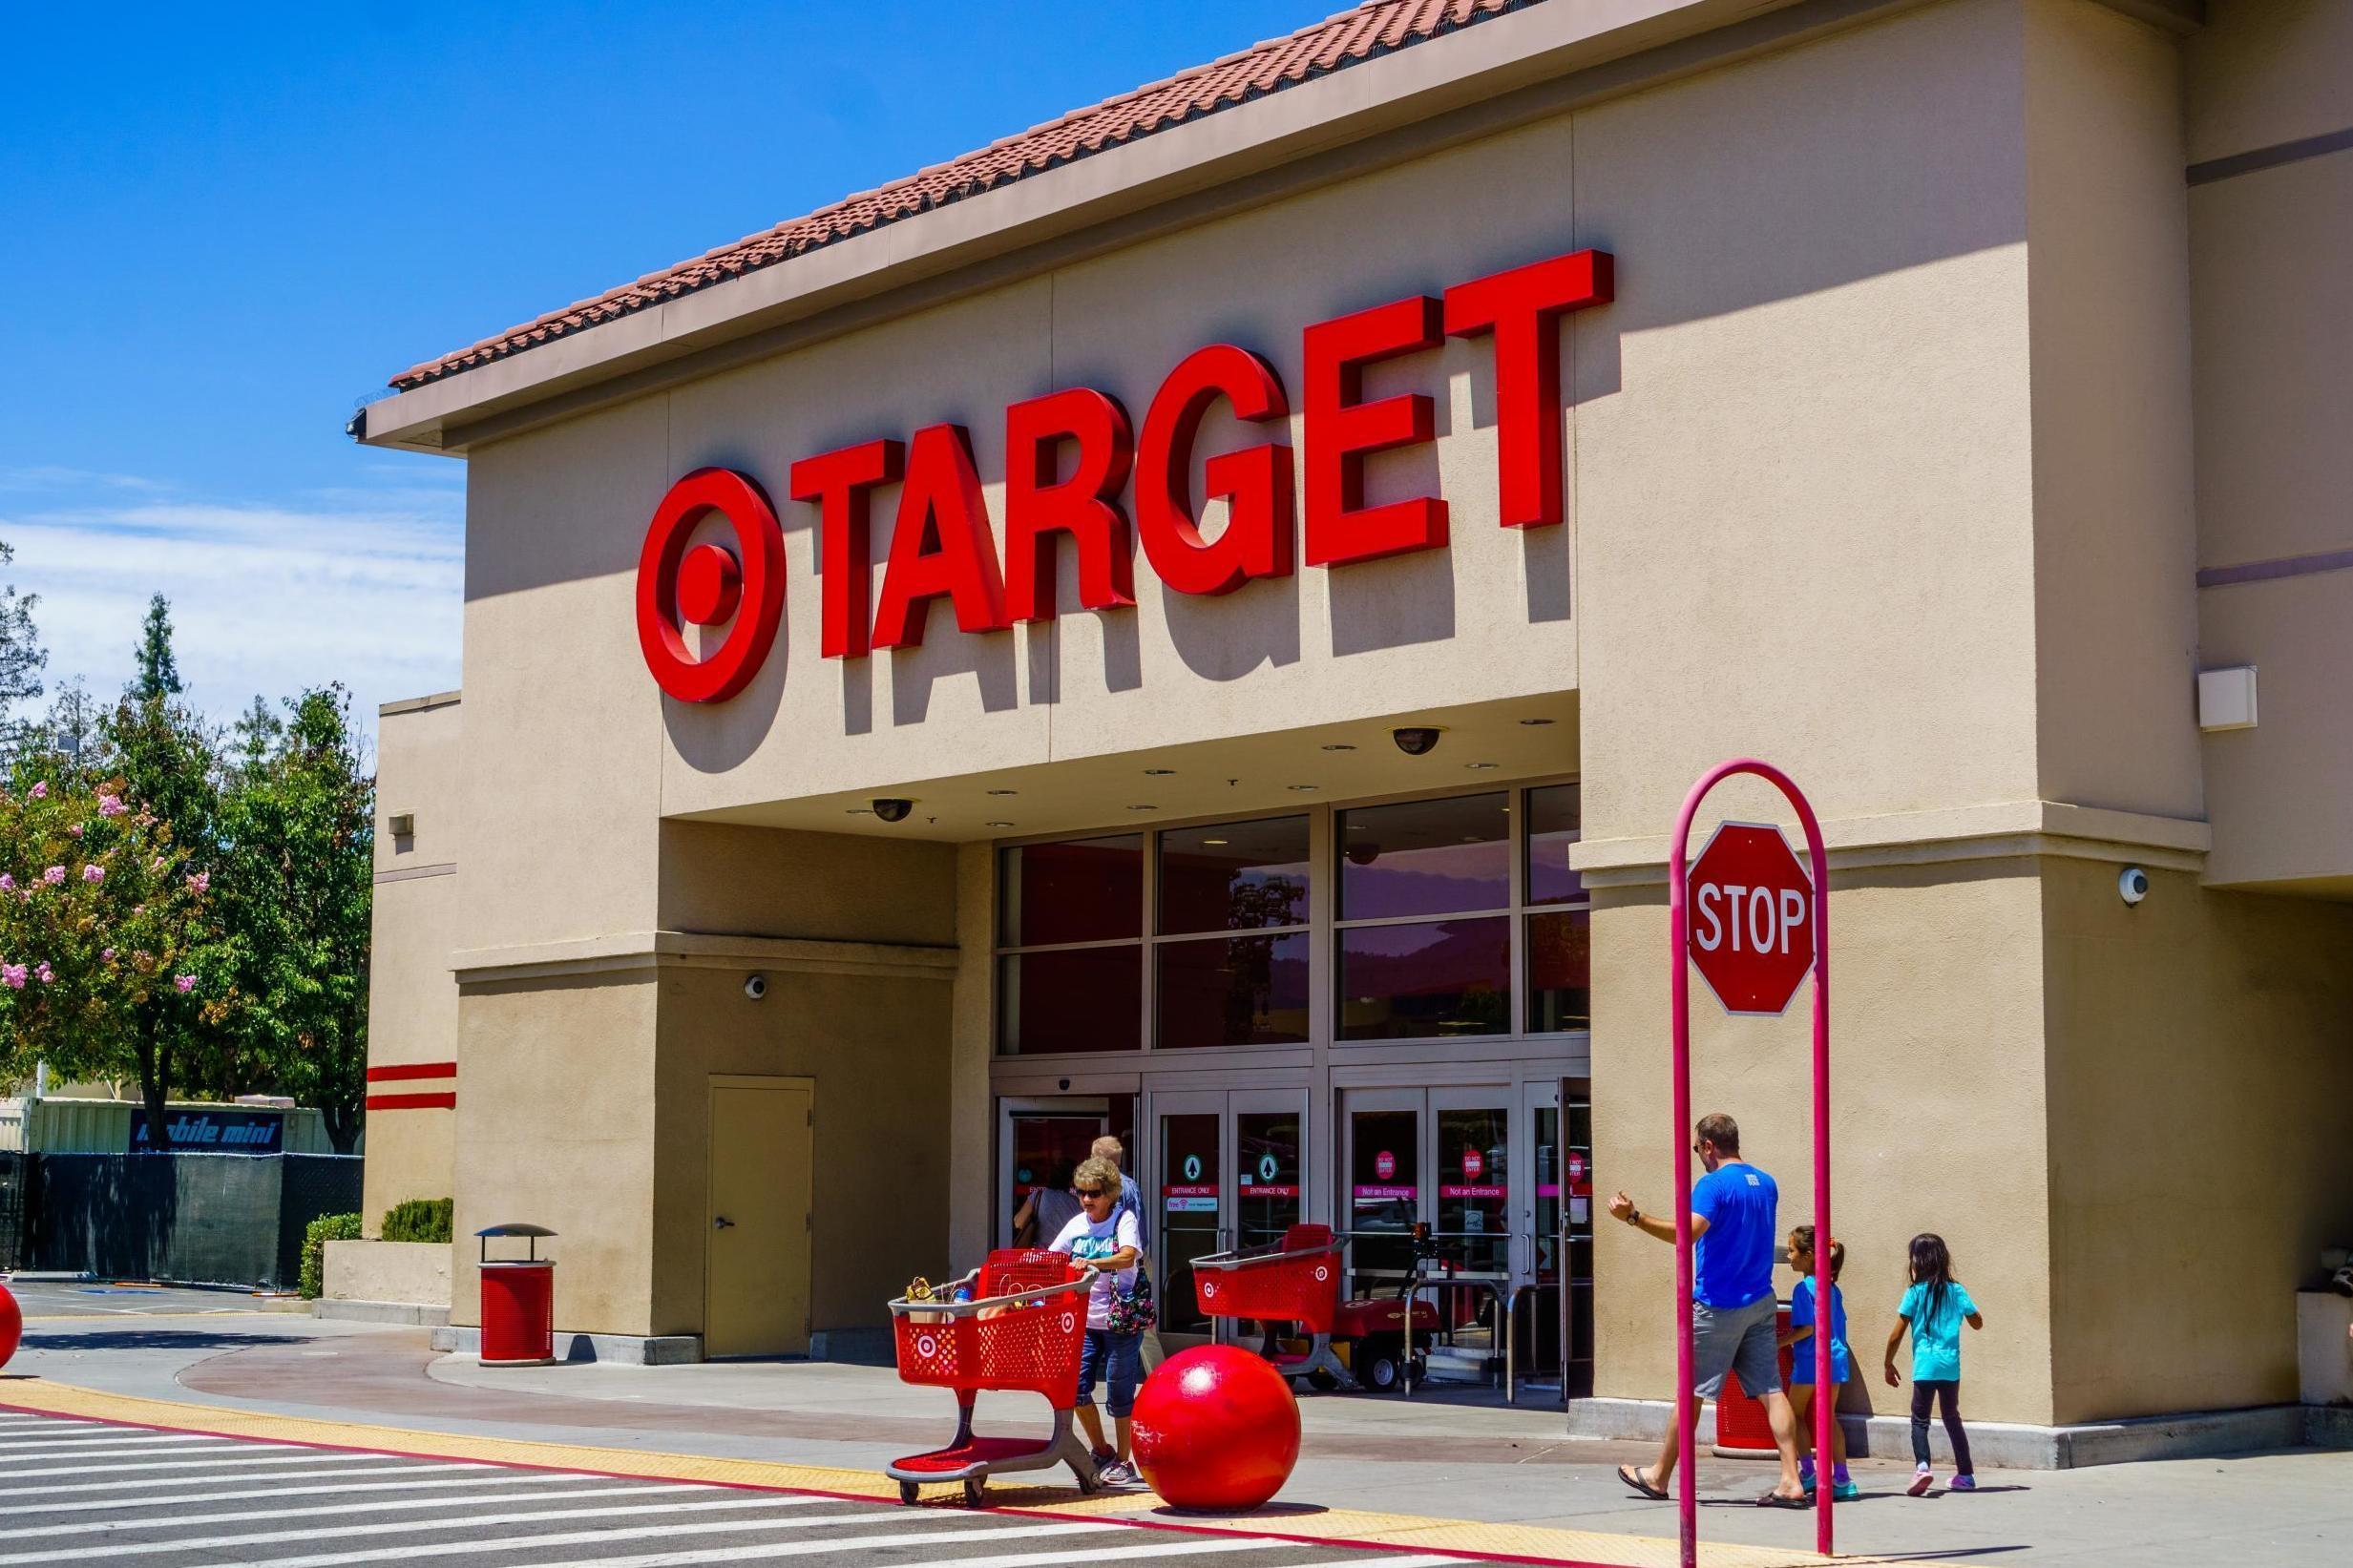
x,y
1740,1341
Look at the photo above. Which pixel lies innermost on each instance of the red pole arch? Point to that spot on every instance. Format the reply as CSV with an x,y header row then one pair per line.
x,y
1679,988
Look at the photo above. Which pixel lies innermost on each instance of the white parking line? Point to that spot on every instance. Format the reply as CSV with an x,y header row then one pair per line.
x,y
275,1457
382,1467
340,1509
290,1491
593,1537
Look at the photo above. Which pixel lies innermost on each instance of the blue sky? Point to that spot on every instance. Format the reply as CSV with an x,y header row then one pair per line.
x,y
223,228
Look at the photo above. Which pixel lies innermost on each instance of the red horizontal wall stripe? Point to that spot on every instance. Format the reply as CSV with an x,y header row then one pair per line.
x,y
412,1070
413,1102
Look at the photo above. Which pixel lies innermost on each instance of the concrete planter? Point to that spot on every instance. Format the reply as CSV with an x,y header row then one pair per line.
x,y
388,1281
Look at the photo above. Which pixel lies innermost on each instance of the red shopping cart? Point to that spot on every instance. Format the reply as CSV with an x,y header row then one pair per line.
x,y
1020,1331
1297,1280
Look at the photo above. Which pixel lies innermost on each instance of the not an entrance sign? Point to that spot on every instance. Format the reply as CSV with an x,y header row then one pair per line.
x,y
1751,918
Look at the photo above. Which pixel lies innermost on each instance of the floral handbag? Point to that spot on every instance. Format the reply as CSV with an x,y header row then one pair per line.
x,y
1133,1312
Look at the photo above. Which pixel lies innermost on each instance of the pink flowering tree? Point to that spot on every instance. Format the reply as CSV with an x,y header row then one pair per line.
x,y
99,922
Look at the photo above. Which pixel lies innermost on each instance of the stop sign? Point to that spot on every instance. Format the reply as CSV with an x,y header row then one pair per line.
x,y
1750,910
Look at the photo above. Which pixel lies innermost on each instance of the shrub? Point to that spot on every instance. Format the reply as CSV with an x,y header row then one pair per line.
x,y
326,1229
419,1220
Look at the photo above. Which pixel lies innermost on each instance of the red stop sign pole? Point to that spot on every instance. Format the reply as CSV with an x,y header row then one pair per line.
x,y
1765,923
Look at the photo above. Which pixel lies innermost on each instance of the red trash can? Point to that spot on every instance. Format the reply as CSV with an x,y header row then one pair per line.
x,y
1741,1429
518,1302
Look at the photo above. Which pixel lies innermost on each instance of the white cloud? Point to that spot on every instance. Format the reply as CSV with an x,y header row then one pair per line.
x,y
360,585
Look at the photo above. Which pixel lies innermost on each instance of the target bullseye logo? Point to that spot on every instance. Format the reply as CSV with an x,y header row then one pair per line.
x,y
710,586
925,1347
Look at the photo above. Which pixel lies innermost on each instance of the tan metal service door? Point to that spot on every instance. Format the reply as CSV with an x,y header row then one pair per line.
x,y
756,1274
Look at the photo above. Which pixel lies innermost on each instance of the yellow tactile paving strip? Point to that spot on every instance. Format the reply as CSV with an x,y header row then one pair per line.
x,y
1469,1538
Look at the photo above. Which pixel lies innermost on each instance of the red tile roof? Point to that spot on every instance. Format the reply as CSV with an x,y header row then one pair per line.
x,y
1376,28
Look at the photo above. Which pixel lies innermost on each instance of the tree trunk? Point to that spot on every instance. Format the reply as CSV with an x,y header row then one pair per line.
x,y
343,1127
154,1088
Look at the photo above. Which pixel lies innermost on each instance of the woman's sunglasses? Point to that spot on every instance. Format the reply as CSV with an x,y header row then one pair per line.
x,y
1092,1192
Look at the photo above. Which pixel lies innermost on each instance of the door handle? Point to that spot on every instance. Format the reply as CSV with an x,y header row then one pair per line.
x,y
722,1222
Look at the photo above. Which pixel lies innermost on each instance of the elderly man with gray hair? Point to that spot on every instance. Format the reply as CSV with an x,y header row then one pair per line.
x,y
1110,1149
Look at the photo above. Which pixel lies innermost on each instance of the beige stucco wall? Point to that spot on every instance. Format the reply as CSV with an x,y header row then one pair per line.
x,y
411,994
2199,1075
1937,1116
2272,335
1881,466
556,1127
877,1049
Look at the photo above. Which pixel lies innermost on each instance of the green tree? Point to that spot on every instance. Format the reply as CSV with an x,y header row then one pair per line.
x,y
299,835
21,656
159,669
99,917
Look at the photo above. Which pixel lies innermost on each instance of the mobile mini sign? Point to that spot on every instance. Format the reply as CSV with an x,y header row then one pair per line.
x,y
1130,485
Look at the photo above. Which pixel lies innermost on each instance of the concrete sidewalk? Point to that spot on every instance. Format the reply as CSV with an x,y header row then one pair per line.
x,y
1442,1457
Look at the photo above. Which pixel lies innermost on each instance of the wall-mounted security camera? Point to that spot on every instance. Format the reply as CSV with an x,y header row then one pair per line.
x,y
2132,885
892,809
755,986
1417,740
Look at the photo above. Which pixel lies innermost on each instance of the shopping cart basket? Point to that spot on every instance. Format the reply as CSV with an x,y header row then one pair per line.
x,y
1020,1332
1297,1279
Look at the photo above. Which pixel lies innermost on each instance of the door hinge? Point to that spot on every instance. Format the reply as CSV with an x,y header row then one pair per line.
x,y
812,1116
808,1221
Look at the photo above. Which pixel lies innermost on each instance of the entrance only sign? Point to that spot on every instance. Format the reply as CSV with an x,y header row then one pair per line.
x,y
1751,919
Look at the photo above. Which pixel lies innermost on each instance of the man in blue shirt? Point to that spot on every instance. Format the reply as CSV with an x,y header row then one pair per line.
x,y
1736,1224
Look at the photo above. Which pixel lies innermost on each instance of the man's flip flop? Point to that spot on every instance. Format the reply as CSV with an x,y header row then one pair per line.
x,y
1774,1499
1633,1478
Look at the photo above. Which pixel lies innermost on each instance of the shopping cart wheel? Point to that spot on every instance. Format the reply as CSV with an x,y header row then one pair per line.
x,y
908,1492
973,1488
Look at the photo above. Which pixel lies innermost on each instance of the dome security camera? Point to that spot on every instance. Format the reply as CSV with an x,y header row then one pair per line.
x,y
894,808
755,986
1417,740
2132,885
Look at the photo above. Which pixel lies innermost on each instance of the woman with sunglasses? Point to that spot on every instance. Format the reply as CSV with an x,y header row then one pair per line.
x,y
1104,1237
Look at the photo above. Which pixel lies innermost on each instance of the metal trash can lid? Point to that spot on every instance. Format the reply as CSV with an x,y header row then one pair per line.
x,y
515,1230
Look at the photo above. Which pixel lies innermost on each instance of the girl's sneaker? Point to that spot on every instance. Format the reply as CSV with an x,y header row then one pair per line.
x,y
1965,1483
1845,1492
1921,1481
1117,1472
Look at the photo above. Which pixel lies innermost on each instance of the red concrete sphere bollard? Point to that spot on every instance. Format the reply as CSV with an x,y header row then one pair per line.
x,y
12,1325
1216,1429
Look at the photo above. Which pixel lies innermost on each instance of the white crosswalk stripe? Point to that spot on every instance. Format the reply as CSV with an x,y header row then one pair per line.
x,y
487,1479
265,1458
15,1442
287,1506
744,1502
117,1448
704,1527
337,1510
1095,1552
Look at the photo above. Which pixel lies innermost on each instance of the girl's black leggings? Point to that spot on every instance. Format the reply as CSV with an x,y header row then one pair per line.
x,y
1948,1391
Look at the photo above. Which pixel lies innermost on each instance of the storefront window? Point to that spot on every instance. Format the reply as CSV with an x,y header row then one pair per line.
x,y
1449,918
1558,937
1237,991
1086,890
1425,857
1070,999
1234,877
1425,978
1211,989
1401,975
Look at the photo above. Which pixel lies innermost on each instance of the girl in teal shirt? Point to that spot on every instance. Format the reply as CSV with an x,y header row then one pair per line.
x,y
1934,1309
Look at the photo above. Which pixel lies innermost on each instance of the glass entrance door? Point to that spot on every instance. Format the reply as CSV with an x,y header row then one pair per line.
x,y
1472,1139
1228,1171
1381,1152
1557,1212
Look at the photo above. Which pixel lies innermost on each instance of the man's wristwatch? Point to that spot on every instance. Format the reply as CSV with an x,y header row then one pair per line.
x,y
1633,1216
